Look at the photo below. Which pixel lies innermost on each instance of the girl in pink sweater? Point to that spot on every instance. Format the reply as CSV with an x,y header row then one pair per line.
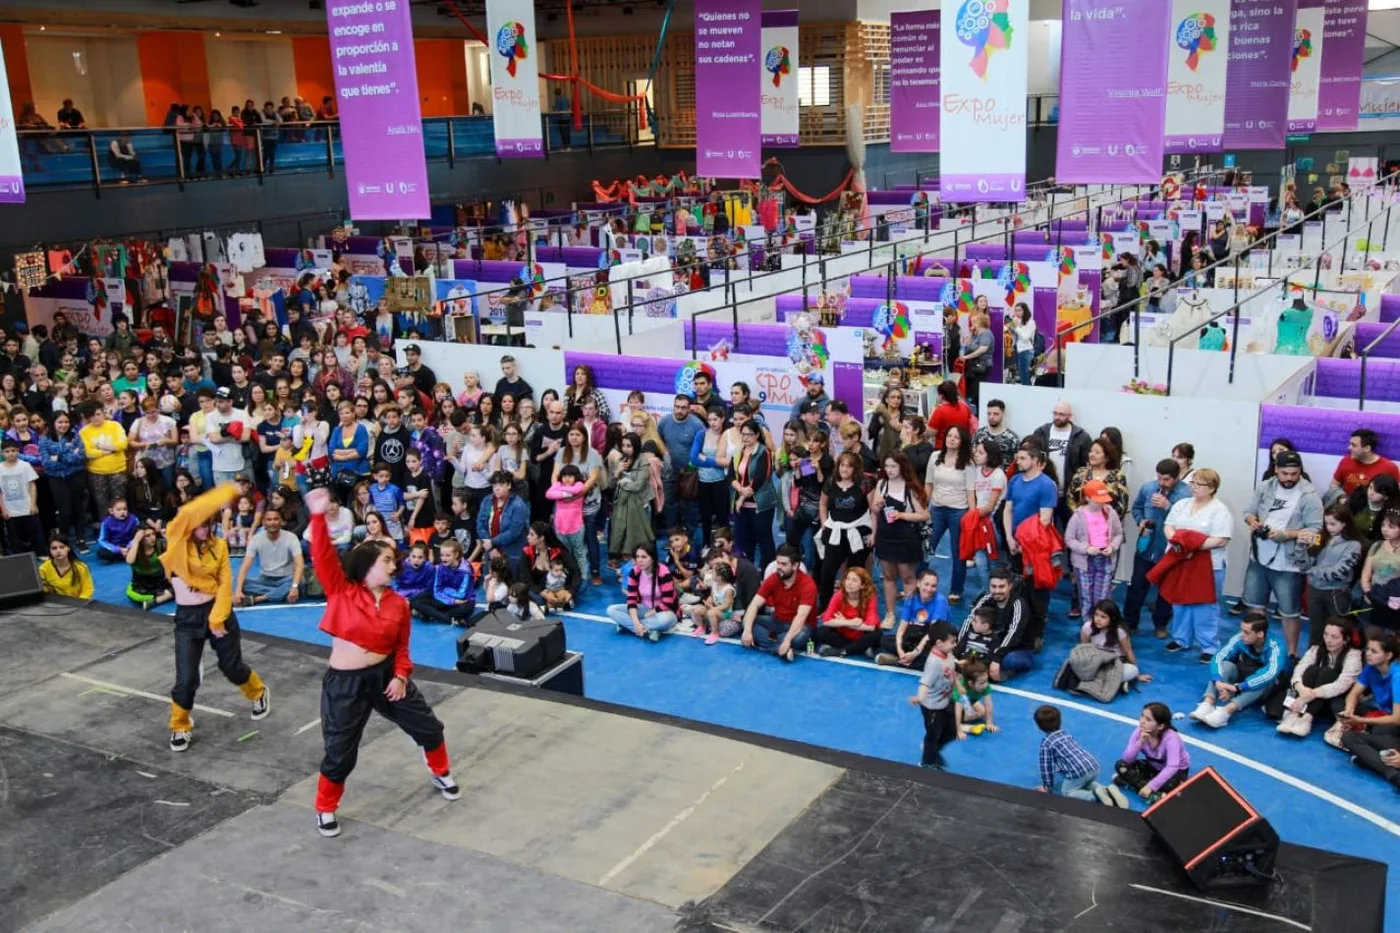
x,y
567,494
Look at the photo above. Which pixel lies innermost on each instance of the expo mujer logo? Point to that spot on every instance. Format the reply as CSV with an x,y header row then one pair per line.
x,y
1196,34
1302,46
778,62
511,45
985,25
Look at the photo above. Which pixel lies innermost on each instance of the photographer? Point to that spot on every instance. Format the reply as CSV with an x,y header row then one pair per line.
x,y
1284,507
1150,507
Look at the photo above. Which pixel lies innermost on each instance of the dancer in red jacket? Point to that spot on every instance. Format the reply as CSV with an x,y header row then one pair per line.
x,y
369,667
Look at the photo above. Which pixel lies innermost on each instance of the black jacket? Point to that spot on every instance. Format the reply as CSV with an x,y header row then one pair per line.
x,y
1075,457
1010,633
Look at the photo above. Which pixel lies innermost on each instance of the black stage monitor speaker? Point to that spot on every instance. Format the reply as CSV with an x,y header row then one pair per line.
x,y
1219,839
501,643
19,581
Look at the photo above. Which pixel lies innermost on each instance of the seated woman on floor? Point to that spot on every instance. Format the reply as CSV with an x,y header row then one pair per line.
x,y
1320,682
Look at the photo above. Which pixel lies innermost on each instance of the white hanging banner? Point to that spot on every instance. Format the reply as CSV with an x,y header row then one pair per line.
x,y
1197,56
1306,66
778,79
515,78
984,71
11,173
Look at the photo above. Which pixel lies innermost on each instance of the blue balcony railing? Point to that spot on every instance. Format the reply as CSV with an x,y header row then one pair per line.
x,y
86,158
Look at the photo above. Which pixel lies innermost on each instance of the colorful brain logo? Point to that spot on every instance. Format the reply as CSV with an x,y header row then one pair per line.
x,y
1196,34
1063,258
985,26
511,45
685,376
1302,46
533,275
1108,248
1015,277
891,321
957,293
778,62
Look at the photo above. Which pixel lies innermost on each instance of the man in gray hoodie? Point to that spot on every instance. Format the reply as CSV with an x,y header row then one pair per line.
x,y
1283,508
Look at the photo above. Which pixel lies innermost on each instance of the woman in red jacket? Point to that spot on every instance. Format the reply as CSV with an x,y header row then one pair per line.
x,y
369,666
949,411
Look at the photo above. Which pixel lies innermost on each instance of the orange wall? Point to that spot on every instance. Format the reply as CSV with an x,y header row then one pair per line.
x,y
16,65
173,68
442,77
311,56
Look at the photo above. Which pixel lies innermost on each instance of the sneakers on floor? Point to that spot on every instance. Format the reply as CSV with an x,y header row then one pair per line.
x,y
1111,796
1333,736
1238,608
180,741
447,787
886,659
830,651
653,635
1174,647
263,704
789,656
712,638
1202,711
1303,727
327,825
1286,724
1206,657
1217,719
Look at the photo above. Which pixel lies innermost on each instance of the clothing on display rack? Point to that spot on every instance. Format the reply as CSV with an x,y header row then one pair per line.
x,y
245,251
1212,337
213,248
1293,327
176,250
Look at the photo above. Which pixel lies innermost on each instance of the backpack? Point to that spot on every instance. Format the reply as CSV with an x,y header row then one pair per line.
x,y
1038,345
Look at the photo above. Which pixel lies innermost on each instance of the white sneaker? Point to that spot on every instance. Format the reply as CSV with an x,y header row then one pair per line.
x,y
1287,724
327,825
1302,728
1217,718
180,741
1201,712
447,787
263,704
1110,796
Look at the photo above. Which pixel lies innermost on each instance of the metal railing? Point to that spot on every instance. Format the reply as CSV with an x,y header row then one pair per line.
x,y
1284,284
1137,305
63,158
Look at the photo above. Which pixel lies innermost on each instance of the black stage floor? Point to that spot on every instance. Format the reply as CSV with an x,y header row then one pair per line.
x,y
576,816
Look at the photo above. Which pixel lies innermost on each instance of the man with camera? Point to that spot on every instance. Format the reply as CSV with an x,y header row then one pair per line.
x,y
1284,507
1150,507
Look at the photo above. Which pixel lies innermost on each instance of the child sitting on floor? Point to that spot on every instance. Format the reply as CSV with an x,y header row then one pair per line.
x,y
972,696
416,574
714,615
519,603
1068,768
556,593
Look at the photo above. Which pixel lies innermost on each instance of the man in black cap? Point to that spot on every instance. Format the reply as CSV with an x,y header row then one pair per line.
x,y
423,376
1286,512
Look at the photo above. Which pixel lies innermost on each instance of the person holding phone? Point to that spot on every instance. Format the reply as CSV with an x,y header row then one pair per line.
x,y
1368,725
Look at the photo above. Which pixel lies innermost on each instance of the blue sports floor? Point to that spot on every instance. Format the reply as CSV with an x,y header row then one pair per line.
x,y
1311,793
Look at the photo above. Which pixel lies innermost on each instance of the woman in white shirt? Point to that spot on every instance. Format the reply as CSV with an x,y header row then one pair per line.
x,y
950,484
1025,341
1205,513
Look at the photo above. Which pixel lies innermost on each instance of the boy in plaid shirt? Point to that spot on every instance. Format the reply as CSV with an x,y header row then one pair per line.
x,y
1068,768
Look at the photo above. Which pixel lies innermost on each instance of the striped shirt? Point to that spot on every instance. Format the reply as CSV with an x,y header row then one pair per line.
x,y
660,591
1061,754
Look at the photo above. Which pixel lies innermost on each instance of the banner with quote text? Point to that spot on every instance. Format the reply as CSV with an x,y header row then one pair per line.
x,y
515,78
1343,62
728,101
1113,92
1306,66
777,79
1197,61
1261,57
914,81
376,88
983,71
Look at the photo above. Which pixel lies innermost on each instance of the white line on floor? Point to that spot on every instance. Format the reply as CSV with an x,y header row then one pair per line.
x,y
310,725
118,688
676,820
266,606
1227,906
1235,757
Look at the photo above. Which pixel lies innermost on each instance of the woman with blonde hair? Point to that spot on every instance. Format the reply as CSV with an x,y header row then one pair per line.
x,y
1203,513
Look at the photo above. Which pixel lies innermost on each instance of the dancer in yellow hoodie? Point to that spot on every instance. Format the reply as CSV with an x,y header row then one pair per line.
x,y
197,563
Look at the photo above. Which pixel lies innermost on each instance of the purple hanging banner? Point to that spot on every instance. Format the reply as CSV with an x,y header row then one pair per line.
x,y
914,81
1260,76
1113,92
1343,60
381,129
728,101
